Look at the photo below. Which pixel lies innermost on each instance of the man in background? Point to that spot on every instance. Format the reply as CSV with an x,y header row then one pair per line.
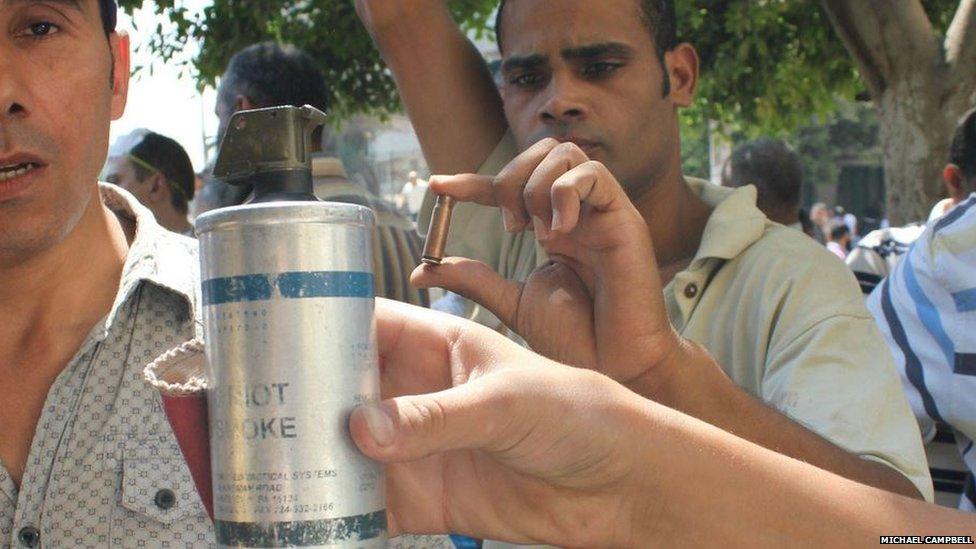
x,y
877,254
591,93
957,185
777,173
820,217
270,74
839,238
158,172
926,308
412,195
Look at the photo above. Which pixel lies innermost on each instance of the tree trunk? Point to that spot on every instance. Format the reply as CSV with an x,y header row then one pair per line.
x,y
920,84
915,134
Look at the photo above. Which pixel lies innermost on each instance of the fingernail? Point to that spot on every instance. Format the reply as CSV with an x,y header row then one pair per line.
x,y
541,230
508,218
557,222
379,423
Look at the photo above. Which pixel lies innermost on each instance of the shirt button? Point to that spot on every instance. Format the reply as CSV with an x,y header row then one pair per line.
x,y
29,536
165,499
691,290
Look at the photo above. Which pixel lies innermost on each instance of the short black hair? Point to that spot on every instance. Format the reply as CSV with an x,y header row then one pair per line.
x,y
169,158
838,229
659,18
963,150
270,74
109,12
773,167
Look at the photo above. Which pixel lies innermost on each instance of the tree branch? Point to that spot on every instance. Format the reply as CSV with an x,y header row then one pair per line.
x,y
886,38
960,46
863,42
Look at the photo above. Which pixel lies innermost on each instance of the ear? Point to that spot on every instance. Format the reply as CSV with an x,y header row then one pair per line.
x,y
158,188
243,103
119,44
682,66
953,178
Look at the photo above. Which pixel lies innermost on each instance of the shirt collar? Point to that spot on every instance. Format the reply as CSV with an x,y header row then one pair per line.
x,y
735,224
155,255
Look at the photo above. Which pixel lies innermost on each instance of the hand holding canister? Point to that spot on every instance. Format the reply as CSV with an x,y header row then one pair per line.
x,y
288,318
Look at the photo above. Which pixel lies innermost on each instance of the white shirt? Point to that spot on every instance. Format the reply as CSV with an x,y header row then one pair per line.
x,y
927,310
414,195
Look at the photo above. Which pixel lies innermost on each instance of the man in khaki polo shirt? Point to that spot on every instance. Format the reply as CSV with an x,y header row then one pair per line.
x,y
590,92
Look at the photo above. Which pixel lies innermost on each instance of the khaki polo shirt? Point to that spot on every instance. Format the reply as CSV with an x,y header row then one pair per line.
x,y
783,316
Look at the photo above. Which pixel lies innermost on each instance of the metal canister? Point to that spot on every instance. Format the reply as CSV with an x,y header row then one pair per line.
x,y
290,341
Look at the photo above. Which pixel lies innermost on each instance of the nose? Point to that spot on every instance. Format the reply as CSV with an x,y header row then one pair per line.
x,y
11,103
564,101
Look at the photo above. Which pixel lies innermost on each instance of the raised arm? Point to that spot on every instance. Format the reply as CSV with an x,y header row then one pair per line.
x,y
443,81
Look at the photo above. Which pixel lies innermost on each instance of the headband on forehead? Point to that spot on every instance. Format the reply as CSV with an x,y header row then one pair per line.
x,y
109,14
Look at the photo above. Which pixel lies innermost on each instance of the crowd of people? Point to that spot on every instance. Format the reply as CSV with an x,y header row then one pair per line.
x,y
638,350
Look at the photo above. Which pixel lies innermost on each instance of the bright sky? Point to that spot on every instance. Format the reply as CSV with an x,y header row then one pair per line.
x,y
165,102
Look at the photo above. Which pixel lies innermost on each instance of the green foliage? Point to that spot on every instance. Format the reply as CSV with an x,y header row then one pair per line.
x,y
328,29
767,65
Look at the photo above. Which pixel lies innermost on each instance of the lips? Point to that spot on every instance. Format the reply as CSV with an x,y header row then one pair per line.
x,y
10,171
589,147
17,172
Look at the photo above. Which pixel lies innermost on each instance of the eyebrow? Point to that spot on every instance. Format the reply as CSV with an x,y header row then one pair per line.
x,y
74,4
525,62
604,49
579,53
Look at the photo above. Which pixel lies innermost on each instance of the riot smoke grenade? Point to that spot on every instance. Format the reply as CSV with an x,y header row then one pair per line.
x,y
290,344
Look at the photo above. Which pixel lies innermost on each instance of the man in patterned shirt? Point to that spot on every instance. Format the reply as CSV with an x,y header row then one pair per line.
x,y
93,289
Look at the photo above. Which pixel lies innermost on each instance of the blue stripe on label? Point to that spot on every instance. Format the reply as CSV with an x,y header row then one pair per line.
x,y
965,364
325,284
965,300
294,285
236,289
913,366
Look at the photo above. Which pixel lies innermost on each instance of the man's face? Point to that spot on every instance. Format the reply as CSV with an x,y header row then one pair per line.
x,y
589,72
819,215
120,171
58,93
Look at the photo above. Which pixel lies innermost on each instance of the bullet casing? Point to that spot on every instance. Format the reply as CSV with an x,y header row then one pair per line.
x,y
290,339
440,225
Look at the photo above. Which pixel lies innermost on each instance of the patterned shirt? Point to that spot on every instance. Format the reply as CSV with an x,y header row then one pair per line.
x,y
927,311
104,468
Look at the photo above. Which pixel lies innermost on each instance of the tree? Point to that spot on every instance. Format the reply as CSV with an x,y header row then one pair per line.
x,y
328,29
920,83
768,66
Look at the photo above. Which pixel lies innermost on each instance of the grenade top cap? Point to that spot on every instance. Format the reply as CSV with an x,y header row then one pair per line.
x,y
271,150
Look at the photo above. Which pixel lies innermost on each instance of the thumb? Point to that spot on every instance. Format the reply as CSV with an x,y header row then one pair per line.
x,y
475,281
414,427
